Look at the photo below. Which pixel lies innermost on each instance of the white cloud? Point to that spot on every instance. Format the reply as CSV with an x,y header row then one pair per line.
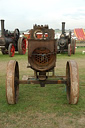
x,y
24,13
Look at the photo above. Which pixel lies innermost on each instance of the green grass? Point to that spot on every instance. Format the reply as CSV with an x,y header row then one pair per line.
x,y
42,107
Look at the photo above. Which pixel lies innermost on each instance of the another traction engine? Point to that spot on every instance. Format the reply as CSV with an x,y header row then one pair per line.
x,y
65,42
11,41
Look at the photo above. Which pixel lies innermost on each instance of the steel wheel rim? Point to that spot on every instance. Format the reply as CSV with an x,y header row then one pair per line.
x,y
12,82
24,46
72,76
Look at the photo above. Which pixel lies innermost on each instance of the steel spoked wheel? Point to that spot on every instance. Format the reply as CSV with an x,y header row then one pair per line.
x,y
11,50
69,49
22,45
12,82
72,85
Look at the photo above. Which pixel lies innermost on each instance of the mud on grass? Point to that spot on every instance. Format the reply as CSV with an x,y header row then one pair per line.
x,y
42,107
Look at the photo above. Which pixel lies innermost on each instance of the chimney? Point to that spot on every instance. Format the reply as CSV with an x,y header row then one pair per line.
x,y
63,27
2,28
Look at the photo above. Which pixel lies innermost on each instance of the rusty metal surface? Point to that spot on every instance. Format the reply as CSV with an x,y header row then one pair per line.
x,y
41,54
43,30
26,77
34,44
42,51
31,81
51,79
72,77
12,84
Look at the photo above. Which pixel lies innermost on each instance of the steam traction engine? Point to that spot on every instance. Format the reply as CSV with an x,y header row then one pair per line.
x,y
65,43
11,42
42,59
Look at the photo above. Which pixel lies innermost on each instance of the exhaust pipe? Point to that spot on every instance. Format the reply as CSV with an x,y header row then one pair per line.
x,y
2,28
63,27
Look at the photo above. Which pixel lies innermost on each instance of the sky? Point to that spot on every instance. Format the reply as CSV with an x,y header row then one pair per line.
x,y
23,14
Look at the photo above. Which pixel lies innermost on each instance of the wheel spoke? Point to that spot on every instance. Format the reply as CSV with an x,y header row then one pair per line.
x,y
24,46
12,50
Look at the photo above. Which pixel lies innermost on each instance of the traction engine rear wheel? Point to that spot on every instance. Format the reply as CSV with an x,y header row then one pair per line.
x,y
73,45
11,50
12,82
21,45
69,49
72,86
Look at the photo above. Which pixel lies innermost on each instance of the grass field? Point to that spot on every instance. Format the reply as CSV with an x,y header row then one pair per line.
x,y
42,107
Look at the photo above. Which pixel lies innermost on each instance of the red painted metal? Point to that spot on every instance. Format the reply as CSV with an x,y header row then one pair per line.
x,y
12,50
24,46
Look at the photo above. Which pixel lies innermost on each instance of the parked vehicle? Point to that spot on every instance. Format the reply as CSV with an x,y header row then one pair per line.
x,y
65,43
11,42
